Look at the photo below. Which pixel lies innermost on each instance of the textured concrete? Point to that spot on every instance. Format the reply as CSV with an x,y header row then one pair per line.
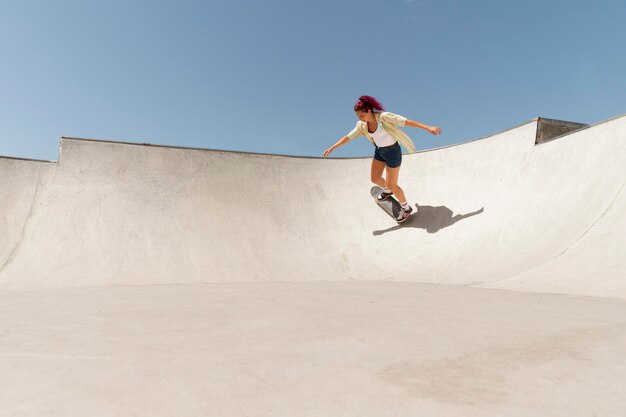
x,y
147,280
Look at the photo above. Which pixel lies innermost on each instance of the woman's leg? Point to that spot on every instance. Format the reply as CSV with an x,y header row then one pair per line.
x,y
392,183
377,173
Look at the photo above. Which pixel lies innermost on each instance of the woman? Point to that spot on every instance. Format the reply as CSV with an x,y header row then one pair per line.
x,y
382,129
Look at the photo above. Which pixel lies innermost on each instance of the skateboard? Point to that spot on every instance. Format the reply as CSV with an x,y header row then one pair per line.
x,y
389,206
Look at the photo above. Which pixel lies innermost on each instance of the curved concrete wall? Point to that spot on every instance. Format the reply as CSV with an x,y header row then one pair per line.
x,y
499,212
20,181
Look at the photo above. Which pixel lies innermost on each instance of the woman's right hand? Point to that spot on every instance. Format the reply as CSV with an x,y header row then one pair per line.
x,y
341,142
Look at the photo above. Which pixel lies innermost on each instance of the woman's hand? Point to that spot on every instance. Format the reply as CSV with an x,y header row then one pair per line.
x,y
434,130
339,143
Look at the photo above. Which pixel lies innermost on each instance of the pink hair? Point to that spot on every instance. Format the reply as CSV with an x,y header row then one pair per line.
x,y
366,103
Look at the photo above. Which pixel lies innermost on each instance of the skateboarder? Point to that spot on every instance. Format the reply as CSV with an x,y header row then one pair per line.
x,y
383,130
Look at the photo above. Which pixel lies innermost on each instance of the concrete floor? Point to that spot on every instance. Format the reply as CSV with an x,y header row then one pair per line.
x,y
131,286
310,349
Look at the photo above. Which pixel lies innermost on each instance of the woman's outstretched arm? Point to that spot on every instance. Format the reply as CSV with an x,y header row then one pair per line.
x,y
339,143
432,129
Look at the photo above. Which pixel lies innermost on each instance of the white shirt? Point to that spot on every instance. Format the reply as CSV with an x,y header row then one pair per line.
x,y
382,138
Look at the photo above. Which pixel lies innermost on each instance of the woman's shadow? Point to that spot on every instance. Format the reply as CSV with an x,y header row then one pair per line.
x,y
430,218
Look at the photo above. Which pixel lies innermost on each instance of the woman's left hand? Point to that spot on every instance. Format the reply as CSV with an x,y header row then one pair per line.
x,y
434,130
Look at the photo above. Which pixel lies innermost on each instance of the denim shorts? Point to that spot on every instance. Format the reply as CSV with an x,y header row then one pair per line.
x,y
391,155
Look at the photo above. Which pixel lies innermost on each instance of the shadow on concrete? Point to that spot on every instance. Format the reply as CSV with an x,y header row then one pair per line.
x,y
432,219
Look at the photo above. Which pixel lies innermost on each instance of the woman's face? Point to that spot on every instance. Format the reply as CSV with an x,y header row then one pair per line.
x,y
365,116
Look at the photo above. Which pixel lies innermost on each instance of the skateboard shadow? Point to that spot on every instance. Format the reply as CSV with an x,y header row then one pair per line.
x,y
432,219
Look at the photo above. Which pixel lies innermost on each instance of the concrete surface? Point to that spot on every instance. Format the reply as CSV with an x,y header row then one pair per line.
x,y
148,280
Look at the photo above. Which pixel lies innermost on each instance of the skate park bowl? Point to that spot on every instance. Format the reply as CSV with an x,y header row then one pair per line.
x,y
150,280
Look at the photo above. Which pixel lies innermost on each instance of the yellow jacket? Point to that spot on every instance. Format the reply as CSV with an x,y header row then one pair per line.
x,y
391,123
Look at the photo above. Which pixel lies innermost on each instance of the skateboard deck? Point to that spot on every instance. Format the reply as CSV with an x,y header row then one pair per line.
x,y
389,206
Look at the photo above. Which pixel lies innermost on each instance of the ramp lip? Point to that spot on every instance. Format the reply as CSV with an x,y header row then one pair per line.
x,y
153,145
586,127
534,120
16,158
120,142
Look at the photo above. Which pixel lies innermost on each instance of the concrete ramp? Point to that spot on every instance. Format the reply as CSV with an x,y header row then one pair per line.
x,y
499,212
160,281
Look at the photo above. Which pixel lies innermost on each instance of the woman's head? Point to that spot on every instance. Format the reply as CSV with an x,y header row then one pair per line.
x,y
366,106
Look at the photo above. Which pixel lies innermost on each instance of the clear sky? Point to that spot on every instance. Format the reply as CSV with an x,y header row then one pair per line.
x,y
281,76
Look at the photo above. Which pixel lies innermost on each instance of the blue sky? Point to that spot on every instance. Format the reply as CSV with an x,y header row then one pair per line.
x,y
282,76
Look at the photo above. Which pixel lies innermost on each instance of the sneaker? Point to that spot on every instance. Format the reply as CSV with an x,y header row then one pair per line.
x,y
384,195
404,214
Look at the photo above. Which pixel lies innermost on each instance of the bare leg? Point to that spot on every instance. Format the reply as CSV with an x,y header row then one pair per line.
x,y
377,173
392,183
